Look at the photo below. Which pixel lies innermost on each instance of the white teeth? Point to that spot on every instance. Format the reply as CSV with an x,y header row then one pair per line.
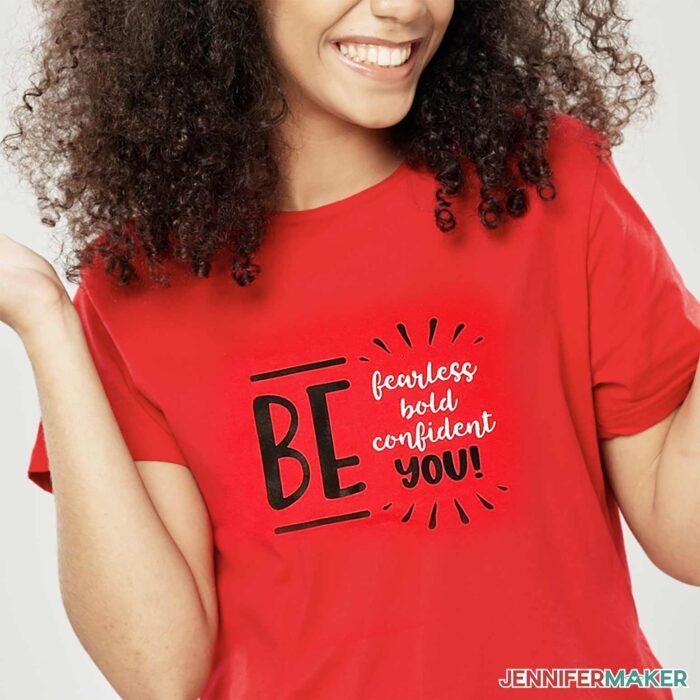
x,y
376,54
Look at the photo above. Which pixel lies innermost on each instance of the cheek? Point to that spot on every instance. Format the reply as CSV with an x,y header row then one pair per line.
x,y
310,68
291,27
301,62
441,10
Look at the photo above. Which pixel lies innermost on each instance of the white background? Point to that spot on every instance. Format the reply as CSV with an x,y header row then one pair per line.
x,y
40,656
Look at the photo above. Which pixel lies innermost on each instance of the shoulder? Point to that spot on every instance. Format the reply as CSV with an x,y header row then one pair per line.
x,y
101,277
571,135
139,305
575,151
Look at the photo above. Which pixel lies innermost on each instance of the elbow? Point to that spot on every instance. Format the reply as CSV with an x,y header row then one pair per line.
x,y
194,683
691,577
187,676
691,580
144,657
674,549
174,665
200,661
185,679
684,569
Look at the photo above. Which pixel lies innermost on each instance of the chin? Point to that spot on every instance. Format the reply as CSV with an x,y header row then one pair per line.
x,y
381,118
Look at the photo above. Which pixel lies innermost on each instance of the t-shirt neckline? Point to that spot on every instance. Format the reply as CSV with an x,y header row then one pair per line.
x,y
340,205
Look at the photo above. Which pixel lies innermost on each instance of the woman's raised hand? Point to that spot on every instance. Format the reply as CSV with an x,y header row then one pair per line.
x,y
31,293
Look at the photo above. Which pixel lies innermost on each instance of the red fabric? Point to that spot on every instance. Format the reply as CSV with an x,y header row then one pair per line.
x,y
396,432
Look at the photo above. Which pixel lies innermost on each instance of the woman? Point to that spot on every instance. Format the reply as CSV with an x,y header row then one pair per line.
x,y
369,345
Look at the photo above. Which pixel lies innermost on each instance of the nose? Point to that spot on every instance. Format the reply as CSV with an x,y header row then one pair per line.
x,y
401,10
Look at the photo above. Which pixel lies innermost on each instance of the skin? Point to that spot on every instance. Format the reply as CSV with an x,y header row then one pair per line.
x,y
655,476
117,515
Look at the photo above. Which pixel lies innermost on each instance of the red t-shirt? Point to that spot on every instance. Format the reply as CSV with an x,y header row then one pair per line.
x,y
395,431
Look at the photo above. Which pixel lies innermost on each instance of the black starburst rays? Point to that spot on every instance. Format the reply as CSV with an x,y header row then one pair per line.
x,y
463,515
481,501
432,330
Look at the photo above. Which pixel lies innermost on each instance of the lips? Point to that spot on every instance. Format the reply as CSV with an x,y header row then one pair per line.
x,y
376,41
375,54
377,58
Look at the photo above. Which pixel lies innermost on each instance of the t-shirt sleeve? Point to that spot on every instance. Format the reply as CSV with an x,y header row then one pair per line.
x,y
142,423
644,321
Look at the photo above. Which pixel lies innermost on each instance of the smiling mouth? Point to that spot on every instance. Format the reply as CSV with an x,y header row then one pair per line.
x,y
381,55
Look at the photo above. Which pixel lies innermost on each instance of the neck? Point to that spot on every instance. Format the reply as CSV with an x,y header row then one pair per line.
x,y
324,159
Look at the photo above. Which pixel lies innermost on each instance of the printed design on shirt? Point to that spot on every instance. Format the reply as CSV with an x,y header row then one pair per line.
x,y
432,436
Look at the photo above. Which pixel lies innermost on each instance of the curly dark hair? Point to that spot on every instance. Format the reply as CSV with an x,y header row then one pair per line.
x,y
149,122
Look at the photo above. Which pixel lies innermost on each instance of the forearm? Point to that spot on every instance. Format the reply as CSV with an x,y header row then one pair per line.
x,y
676,503
127,589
